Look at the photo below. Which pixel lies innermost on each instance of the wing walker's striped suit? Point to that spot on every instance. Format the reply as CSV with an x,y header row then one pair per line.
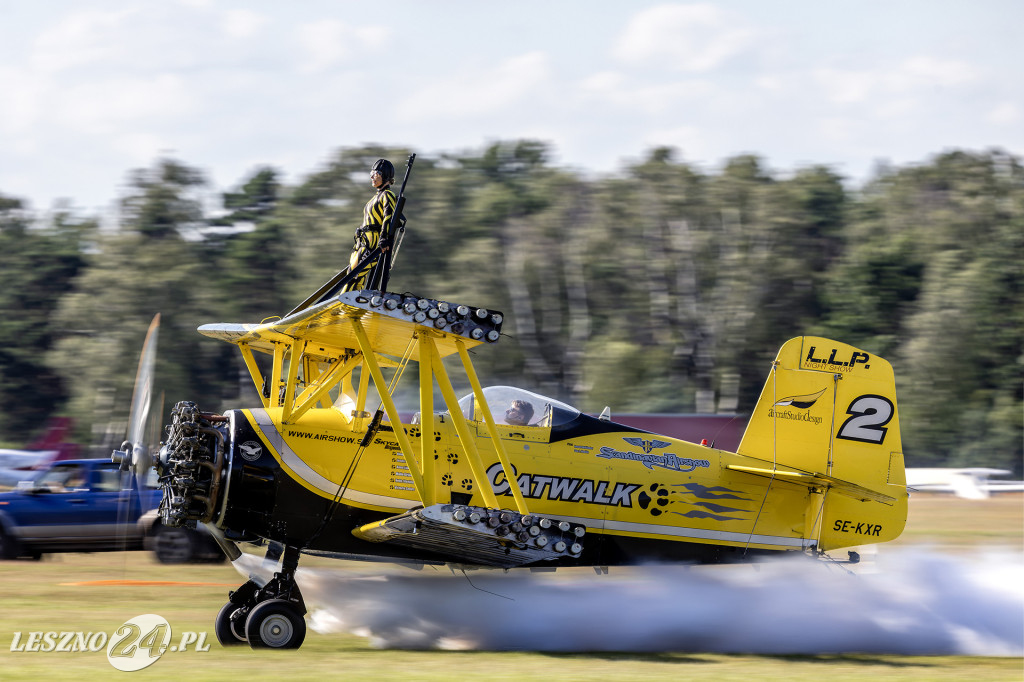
x,y
376,213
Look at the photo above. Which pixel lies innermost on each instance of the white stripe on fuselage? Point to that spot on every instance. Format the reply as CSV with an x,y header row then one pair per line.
x,y
305,472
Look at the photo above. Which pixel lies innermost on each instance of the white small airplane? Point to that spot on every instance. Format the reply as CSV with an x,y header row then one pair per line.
x,y
21,465
970,483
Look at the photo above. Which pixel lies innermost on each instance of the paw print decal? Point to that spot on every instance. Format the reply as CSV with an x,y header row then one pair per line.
x,y
446,479
453,458
659,499
416,432
467,484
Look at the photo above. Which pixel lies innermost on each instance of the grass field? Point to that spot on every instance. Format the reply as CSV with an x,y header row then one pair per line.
x,y
40,596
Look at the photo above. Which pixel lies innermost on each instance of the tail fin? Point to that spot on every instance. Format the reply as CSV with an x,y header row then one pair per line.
x,y
56,432
827,418
55,442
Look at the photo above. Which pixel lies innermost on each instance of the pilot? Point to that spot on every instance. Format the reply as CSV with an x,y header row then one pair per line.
x,y
376,213
519,413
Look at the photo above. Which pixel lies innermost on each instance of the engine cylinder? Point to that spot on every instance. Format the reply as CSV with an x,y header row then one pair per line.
x,y
191,465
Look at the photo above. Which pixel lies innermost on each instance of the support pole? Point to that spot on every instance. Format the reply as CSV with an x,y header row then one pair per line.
x,y
275,375
478,392
254,372
324,383
813,515
294,361
427,419
462,428
358,419
370,362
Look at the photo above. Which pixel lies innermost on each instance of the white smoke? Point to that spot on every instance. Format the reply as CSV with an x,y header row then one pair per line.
x,y
915,603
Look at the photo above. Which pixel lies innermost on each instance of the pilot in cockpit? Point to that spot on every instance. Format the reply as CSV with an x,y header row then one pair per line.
x,y
519,413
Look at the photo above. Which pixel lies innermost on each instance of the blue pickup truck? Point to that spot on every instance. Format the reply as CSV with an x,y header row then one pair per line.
x,y
88,505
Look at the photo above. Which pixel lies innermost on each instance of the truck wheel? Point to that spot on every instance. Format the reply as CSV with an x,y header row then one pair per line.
x,y
173,545
9,547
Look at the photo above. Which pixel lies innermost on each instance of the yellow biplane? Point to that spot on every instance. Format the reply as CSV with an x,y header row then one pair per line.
x,y
316,470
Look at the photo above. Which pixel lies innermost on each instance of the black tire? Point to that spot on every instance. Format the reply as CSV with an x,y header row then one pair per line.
x,y
275,624
229,633
173,545
10,548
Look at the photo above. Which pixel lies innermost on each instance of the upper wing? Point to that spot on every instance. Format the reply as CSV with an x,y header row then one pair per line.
x,y
391,322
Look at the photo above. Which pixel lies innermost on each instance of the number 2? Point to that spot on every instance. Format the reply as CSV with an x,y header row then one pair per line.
x,y
869,415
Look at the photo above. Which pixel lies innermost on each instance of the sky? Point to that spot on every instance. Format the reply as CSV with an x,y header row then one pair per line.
x,y
91,89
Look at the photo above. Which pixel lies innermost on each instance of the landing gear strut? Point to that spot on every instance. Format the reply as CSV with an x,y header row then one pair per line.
x,y
266,617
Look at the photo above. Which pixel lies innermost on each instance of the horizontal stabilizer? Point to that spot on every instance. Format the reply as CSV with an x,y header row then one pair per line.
x,y
819,480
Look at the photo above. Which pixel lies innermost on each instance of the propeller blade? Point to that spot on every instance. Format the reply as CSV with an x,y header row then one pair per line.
x,y
134,456
142,397
137,448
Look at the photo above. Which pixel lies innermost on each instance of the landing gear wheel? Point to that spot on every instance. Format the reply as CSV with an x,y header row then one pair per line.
x,y
275,624
173,545
229,632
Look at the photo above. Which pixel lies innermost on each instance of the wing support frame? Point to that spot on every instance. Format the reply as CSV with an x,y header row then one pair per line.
x,y
316,389
370,363
481,402
275,375
254,372
295,353
461,427
426,420
318,348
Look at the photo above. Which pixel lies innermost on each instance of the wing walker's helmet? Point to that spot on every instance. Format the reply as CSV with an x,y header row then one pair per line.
x,y
386,170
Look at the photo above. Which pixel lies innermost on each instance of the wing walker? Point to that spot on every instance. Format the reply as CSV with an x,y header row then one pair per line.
x,y
328,464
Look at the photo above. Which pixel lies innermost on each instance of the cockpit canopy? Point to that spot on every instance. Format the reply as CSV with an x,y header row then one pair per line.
x,y
517,407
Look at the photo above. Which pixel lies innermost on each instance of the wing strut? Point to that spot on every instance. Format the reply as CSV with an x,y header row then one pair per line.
x,y
481,402
319,387
461,427
254,371
427,419
389,407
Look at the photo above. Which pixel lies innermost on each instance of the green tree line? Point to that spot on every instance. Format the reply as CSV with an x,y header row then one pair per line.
x,y
662,288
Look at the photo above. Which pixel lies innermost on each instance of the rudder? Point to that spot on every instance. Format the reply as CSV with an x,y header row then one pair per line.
x,y
829,409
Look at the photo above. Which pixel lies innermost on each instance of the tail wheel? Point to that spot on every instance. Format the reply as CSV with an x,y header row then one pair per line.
x,y
275,624
229,632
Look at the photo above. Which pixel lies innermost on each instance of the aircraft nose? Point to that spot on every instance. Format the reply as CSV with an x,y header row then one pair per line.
x,y
191,465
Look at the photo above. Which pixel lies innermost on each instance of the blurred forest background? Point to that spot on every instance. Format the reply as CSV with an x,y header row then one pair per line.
x,y
666,288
